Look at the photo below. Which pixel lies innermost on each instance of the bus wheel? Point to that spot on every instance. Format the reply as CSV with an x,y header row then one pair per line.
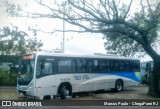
x,y
64,92
119,86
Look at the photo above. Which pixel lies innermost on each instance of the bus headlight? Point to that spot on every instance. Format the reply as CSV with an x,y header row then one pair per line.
x,y
30,86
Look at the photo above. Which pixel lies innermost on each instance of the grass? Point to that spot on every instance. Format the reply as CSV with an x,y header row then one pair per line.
x,y
8,95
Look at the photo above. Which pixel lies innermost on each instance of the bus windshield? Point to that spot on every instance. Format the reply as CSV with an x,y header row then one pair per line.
x,y
26,71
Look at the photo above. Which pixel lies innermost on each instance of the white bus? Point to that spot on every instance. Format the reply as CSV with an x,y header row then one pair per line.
x,y
48,74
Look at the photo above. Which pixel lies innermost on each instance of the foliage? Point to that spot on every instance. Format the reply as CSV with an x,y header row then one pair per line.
x,y
145,80
16,42
121,45
7,79
125,34
33,44
108,16
10,58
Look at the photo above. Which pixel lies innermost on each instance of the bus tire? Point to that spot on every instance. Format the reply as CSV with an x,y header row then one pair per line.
x,y
64,92
119,86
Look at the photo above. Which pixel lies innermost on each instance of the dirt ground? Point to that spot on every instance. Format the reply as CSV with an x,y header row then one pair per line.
x,y
136,92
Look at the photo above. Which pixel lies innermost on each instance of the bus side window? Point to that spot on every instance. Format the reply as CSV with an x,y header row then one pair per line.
x,y
95,65
106,66
121,66
81,65
49,69
88,66
116,66
46,68
135,66
126,64
55,66
111,65
100,66
103,66
66,65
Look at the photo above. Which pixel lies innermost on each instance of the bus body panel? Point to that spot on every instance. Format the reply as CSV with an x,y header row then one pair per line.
x,y
46,86
41,86
49,85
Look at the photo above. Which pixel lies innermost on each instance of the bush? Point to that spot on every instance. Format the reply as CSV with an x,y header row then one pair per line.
x,y
145,80
7,79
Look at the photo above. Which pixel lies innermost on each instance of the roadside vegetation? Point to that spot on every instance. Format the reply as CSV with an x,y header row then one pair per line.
x,y
7,78
145,80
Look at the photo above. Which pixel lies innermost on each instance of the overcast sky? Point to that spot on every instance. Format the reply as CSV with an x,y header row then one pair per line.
x,y
85,43
74,42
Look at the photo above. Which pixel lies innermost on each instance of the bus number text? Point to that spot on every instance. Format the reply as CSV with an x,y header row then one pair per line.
x,y
79,77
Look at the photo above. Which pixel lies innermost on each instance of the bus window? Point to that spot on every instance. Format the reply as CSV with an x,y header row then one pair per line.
x,y
111,65
47,68
101,66
136,66
95,66
44,68
104,65
66,65
121,66
81,65
88,66
116,65
126,64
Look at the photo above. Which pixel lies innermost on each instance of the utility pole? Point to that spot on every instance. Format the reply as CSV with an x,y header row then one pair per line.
x,y
63,39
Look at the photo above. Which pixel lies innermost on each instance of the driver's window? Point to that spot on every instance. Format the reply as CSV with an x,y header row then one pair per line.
x,y
44,68
47,68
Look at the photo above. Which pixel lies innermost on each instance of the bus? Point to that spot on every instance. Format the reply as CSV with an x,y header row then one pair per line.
x,y
63,75
146,69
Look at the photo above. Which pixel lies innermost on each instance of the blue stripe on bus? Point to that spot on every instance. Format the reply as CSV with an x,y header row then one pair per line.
x,y
136,76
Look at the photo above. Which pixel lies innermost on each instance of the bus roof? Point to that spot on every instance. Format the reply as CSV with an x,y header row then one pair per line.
x,y
102,56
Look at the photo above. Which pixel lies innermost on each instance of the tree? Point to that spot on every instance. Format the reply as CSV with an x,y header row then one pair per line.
x,y
16,42
109,16
126,46
120,45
